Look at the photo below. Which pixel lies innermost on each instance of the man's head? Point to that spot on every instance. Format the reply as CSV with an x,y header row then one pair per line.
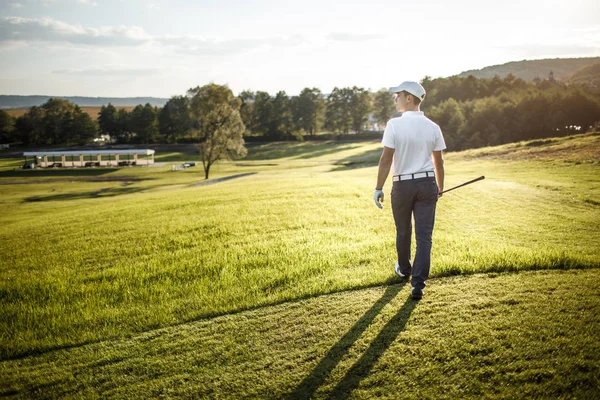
x,y
408,96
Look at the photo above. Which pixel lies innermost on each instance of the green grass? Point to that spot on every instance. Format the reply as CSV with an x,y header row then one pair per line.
x,y
526,335
94,256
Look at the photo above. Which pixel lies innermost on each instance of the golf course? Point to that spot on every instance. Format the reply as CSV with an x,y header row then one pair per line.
x,y
275,278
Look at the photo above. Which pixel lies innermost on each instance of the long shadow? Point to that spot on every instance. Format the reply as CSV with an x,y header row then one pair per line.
x,y
295,150
367,159
334,148
106,192
382,342
225,178
311,383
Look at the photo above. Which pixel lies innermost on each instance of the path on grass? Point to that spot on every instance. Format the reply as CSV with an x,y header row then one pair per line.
x,y
225,178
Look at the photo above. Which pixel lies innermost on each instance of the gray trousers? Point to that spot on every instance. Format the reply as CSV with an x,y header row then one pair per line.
x,y
416,197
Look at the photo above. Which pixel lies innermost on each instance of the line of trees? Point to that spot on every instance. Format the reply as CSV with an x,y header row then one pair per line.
x,y
471,112
485,112
57,122
283,117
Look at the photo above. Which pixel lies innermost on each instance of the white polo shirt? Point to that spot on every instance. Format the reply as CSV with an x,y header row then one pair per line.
x,y
413,137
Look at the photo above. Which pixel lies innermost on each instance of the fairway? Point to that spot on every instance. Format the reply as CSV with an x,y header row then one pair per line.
x,y
104,270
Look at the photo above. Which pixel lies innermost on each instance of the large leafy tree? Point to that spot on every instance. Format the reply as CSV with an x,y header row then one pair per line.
x,y
220,129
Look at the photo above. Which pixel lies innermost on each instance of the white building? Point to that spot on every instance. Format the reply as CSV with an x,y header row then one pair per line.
x,y
90,158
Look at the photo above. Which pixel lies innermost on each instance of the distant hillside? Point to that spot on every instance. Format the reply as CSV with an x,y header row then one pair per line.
x,y
531,69
92,111
589,74
9,101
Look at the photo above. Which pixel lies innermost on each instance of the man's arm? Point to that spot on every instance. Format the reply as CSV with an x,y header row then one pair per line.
x,y
438,164
385,164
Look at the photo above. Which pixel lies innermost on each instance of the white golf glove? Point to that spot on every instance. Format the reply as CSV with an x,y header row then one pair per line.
x,y
378,196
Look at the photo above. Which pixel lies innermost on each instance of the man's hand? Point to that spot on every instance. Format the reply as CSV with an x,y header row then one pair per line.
x,y
440,192
378,196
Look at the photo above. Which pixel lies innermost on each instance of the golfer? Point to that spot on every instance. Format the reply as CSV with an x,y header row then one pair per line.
x,y
413,144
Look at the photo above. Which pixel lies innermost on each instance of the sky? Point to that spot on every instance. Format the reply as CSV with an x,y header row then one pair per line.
x,y
127,48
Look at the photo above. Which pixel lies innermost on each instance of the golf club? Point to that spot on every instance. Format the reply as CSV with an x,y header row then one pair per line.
x,y
466,183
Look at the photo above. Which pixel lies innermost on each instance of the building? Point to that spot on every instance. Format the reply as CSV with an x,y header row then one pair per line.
x,y
90,158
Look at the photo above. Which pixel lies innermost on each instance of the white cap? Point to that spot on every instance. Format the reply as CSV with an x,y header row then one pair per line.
x,y
413,88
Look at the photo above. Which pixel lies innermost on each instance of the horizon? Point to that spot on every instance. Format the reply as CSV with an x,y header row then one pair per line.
x,y
272,93
86,48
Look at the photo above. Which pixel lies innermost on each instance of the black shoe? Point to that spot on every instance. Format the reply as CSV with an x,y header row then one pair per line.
x,y
416,293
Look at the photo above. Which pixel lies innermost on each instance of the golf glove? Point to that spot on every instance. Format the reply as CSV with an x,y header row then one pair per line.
x,y
378,196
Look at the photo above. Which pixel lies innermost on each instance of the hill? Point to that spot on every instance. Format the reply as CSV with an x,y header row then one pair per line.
x,y
589,74
10,101
92,111
531,69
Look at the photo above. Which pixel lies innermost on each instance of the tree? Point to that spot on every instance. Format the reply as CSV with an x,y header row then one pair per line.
x,y
7,125
174,119
263,114
338,115
282,115
383,106
143,124
247,110
573,112
216,113
360,105
81,129
54,123
123,131
58,113
308,110
29,127
108,121
449,117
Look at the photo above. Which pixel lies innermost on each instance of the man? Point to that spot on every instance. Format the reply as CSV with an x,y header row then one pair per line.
x,y
414,144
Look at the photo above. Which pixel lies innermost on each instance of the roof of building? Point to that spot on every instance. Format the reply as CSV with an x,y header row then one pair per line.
x,y
87,152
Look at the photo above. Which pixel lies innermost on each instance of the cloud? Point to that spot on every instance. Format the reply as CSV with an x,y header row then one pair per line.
x,y
50,30
352,37
195,45
15,5
87,2
17,29
153,6
114,71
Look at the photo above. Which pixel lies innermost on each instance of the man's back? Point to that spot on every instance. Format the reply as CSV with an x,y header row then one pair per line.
x,y
413,137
